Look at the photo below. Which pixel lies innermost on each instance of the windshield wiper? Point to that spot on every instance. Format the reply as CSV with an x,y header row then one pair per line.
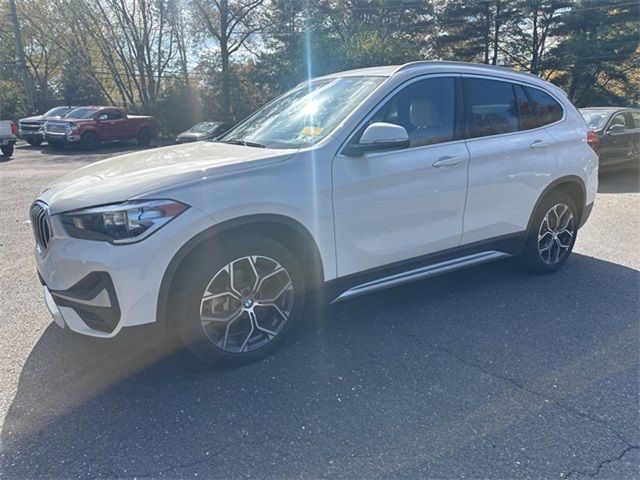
x,y
245,143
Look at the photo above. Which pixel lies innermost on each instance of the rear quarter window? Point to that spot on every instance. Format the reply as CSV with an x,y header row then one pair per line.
x,y
547,109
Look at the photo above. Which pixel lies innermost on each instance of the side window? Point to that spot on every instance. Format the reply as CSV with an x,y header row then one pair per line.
x,y
491,107
426,109
528,119
619,119
635,116
115,114
546,107
103,115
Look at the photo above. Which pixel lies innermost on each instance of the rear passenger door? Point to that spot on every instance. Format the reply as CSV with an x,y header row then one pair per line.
x,y
511,155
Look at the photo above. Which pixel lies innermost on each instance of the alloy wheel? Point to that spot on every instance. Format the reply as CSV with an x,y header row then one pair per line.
x,y
246,304
556,234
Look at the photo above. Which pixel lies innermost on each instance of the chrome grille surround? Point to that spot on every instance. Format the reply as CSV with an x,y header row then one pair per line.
x,y
39,214
57,128
31,127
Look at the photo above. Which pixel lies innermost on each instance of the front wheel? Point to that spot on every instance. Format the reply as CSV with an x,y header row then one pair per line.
x,y
89,141
237,301
552,234
34,142
7,150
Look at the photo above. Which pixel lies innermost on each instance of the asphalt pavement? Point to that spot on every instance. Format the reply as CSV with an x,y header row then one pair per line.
x,y
488,373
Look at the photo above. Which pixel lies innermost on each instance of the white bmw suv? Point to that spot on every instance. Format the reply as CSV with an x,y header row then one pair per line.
x,y
347,184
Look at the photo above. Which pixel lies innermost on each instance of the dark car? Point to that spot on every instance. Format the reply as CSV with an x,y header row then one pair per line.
x,y
203,131
619,132
31,128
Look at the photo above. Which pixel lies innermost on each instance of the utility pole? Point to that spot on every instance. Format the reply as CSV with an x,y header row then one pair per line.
x,y
29,88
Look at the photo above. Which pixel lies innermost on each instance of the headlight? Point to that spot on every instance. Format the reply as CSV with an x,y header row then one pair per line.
x,y
122,223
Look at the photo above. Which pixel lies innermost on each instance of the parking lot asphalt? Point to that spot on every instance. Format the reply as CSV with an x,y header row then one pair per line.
x,y
486,373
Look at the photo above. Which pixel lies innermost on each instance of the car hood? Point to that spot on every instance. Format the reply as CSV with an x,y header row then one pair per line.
x,y
135,174
35,118
69,120
193,134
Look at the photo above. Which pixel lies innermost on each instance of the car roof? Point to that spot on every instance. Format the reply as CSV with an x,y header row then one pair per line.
x,y
606,109
443,66
99,107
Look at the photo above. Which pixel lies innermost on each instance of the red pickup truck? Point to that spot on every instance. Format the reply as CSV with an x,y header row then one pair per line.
x,y
88,126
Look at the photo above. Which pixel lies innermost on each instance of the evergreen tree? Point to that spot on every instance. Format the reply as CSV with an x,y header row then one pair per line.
x,y
474,30
598,52
531,35
77,83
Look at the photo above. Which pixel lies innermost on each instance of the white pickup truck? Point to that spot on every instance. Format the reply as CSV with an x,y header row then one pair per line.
x,y
8,131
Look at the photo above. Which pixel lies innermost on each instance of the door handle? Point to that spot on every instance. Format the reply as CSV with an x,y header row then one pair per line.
x,y
447,161
539,144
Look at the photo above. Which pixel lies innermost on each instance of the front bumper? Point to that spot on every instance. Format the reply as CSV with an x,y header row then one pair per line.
x,y
32,135
96,288
61,138
91,305
53,308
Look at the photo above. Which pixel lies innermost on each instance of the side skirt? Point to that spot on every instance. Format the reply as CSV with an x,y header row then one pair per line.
x,y
420,273
424,267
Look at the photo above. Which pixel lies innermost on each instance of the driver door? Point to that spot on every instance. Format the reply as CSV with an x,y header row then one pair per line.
x,y
395,205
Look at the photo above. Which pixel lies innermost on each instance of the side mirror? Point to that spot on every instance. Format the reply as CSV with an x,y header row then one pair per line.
x,y
617,128
380,136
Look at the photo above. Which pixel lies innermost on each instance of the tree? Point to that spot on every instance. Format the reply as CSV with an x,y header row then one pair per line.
x,y
27,79
232,24
531,35
598,52
136,43
77,84
474,31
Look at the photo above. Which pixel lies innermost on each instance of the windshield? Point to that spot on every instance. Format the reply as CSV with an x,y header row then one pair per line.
x,y
204,127
57,112
594,118
83,112
305,115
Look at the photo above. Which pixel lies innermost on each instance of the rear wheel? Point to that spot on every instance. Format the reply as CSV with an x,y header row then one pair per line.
x,y
144,137
89,141
7,150
552,235
237,303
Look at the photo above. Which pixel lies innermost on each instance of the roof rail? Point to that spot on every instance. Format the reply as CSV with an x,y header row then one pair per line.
x,y
423,63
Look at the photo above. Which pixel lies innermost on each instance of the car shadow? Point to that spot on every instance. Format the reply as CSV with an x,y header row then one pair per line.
x,y
620,179
352,381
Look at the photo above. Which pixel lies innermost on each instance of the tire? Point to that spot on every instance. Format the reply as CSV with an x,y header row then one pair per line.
x,y
239,326
144,137
7,150
552,234
89,141
34,143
